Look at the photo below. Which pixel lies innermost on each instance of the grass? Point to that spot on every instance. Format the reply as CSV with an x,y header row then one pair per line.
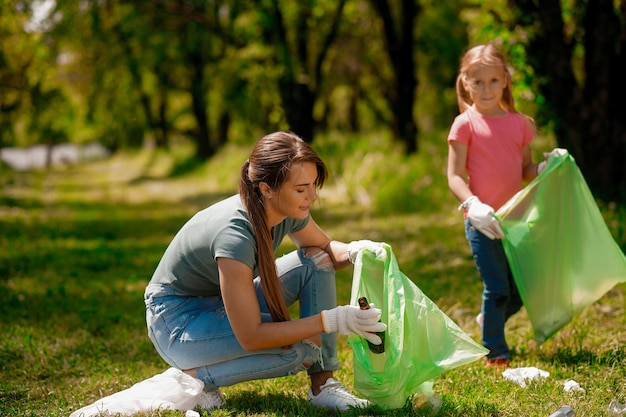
x,y
78,245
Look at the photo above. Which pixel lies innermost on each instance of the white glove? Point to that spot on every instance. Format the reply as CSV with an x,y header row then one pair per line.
x,y
542,165
357,246
546,155
481,216
350,319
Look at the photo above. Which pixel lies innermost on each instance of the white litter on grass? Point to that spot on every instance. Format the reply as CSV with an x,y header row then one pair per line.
x,y
572,386
192,413
523,375
616,409
172,389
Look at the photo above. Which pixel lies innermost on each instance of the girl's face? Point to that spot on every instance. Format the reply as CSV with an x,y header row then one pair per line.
x,y
486,84
295,196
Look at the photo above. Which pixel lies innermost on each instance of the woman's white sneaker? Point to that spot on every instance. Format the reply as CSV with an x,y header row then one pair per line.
x,y
211,400
334,396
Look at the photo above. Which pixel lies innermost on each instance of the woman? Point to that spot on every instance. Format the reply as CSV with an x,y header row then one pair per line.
x,y
217,302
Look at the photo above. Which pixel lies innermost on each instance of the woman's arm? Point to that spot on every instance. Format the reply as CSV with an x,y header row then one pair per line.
x,y
313,236
242,308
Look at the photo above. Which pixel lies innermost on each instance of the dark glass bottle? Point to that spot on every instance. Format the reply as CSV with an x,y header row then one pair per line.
x,y
365,305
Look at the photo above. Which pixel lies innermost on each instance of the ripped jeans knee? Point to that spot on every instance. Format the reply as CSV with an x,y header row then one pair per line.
x,y
314,357
322,259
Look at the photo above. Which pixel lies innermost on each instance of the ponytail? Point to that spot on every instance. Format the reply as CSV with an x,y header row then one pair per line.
x,y
269,162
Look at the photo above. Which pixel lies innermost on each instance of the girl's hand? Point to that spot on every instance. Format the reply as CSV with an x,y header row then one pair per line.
x,y
481,216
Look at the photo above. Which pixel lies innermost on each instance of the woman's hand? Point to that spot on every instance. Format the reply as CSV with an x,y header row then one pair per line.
x,y
359,245
350,319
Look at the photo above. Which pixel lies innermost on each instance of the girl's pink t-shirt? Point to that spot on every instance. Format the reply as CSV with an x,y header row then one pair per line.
x,y
494,153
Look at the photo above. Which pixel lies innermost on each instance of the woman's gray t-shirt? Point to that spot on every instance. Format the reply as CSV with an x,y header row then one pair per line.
x,y
222,230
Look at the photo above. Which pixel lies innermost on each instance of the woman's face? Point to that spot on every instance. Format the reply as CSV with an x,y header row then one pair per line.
x,y
486,84
295,196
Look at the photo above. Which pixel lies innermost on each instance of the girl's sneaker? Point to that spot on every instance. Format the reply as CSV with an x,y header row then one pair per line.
x,y
479,320
499,364
334,396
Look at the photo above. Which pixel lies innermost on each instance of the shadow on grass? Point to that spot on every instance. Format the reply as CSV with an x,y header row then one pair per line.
x,y
572,356
253,403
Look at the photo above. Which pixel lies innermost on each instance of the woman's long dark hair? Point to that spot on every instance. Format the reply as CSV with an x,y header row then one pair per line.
x,y
270,162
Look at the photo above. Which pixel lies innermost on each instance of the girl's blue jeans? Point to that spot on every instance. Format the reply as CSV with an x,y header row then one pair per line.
x,y
500,298
194,332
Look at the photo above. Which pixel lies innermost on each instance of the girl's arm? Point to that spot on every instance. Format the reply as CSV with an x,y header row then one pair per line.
x,y
242,308
457,171
529,169
480,215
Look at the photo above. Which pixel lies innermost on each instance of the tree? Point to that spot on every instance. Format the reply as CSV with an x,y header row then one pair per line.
x,y
30,100
578,52
15,58
399,36
102,71
301,34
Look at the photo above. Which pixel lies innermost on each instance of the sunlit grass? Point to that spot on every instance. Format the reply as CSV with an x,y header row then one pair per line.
x,y
78,245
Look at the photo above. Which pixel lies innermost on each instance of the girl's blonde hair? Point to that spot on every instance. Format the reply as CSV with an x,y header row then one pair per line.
x,y
486,54
270,162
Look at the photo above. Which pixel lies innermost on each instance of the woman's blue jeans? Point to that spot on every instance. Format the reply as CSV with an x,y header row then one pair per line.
x,y
194,332
501,298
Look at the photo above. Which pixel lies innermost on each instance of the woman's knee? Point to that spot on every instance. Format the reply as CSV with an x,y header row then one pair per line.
x,y
315,354
320,257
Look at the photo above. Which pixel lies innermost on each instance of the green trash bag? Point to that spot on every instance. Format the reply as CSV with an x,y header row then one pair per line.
x,y
562,255
421,342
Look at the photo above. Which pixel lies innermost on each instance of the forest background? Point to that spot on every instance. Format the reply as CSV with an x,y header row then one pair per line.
x,y
179,90
127,73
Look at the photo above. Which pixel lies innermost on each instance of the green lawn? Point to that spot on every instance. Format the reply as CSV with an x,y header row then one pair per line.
x,y
78,245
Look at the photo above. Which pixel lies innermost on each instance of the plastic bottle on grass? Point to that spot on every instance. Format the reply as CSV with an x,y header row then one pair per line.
x,y
565,411
423,401
617,409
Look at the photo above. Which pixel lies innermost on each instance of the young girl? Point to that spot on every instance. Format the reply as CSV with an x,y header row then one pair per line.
x,y
489,160
208,315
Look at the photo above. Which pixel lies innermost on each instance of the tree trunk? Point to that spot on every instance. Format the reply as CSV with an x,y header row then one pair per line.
x,y
587,118
401,99
204,149
298,101
302,80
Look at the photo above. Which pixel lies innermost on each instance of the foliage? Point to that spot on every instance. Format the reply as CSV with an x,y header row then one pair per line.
x,y
158,70
569,57
380,177
486,23
438,59
30,93
78,245
131,73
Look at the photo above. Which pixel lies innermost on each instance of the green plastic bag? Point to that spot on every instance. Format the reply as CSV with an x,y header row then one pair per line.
x,y
421,342
562,255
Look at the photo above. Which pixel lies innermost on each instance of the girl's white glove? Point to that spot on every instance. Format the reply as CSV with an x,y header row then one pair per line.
x,y
546,156
481,216
542,165
350,319
357,246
